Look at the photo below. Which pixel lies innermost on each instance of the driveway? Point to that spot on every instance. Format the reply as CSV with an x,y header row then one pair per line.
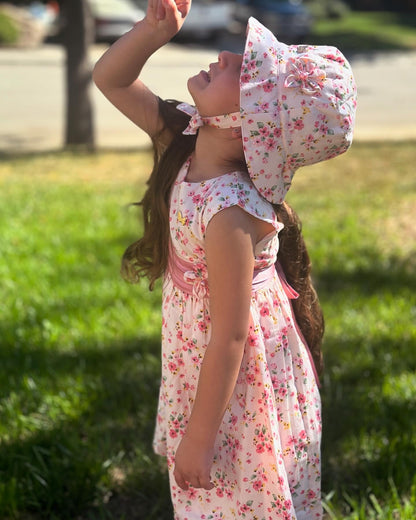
x,y
33,105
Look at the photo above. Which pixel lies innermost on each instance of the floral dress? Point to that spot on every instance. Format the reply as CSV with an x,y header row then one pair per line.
x,y
267,450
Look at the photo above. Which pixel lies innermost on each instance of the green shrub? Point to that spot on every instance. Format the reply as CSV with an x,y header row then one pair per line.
x,y
9,32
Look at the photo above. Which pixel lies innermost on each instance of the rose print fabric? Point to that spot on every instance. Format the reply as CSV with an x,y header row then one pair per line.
x,y
232,120
267,451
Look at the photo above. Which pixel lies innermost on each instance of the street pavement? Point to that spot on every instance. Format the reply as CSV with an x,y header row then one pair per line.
x,y
32,96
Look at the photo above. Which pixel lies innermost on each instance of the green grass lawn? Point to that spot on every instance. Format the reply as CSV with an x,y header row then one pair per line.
x,y
79,352
367,31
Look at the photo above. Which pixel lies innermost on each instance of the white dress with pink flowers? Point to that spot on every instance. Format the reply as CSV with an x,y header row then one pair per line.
x,y
267,452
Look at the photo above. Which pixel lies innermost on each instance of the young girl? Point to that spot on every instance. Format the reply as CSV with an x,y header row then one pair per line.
x,y
239,408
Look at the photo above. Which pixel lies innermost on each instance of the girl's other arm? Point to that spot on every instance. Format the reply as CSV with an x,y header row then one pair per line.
x,y
117,72
230,241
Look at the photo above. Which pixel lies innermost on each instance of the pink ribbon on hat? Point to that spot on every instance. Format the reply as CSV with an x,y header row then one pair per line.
x,y
306,74
232,120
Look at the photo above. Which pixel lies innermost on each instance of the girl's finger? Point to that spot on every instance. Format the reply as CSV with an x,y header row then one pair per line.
x,y
183,7
160,10
169,6
205,482
182,483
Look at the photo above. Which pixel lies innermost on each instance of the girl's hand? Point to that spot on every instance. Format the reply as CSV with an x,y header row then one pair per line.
x,y
167,15
193,465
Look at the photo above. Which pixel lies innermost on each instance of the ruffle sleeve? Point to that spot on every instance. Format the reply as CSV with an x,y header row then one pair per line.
x,y
236,189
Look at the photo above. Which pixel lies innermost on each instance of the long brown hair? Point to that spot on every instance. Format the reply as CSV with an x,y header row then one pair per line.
x,y
148,257
294,258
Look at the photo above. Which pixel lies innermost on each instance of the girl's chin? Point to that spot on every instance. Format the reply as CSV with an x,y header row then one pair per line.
x,y
194,87
199,81
191,85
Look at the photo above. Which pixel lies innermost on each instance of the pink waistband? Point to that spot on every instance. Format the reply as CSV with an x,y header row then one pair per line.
x,y
189,279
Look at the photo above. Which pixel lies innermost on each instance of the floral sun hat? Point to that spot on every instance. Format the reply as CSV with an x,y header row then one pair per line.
x,y
297,107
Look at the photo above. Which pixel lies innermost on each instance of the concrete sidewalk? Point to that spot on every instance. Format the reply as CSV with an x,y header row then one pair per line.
x,y
32,96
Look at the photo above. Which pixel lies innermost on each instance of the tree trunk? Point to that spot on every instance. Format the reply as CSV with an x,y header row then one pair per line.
x,y
78,35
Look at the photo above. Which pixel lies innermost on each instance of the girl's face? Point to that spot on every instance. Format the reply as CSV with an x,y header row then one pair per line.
x,y
217,91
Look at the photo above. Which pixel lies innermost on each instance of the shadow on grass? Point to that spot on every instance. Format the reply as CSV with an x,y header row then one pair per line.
x,y
374,275
368,435
73,468
369,431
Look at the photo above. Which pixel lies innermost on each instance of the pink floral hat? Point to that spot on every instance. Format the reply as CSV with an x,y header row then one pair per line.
x,y
297,108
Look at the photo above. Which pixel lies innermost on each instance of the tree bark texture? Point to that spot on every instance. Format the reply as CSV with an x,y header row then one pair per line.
x,y
77,37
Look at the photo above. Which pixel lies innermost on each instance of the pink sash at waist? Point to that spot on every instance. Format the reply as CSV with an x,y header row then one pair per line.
x,y
186,277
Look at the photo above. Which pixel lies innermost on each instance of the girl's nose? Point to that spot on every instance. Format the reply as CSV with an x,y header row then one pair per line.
x,y
226,57
222,58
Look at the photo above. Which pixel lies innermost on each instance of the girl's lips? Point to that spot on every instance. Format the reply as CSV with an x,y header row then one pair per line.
x,y
205,75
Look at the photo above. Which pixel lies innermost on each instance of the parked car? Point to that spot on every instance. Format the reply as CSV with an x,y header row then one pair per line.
x,y
207,19
113,18
289,20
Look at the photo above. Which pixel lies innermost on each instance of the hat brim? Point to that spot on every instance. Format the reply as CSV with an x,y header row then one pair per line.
x,y
262,132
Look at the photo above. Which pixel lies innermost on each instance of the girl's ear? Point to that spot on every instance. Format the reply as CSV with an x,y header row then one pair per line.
x,y
236,133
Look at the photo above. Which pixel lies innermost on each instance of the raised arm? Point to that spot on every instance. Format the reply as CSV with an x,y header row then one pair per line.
x,y
117,72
